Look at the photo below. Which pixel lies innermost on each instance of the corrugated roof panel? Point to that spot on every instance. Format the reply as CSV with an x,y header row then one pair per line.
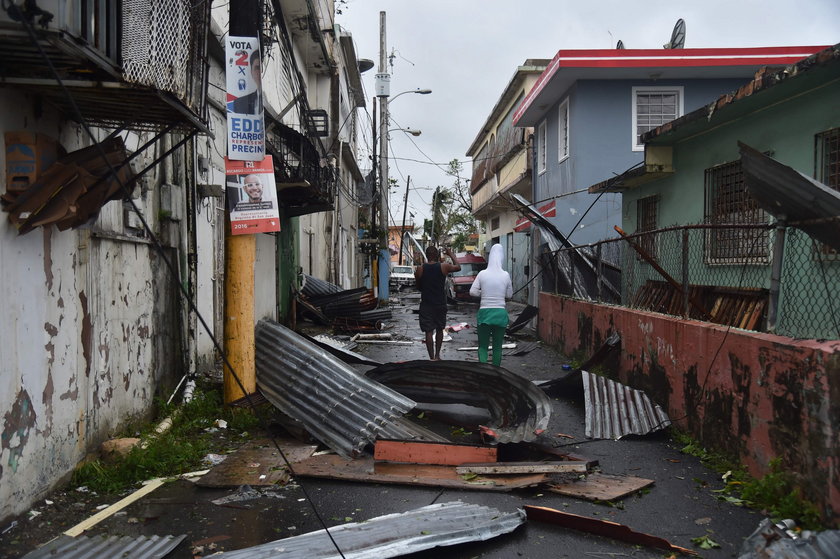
x,y
339,407
393,535
98,547
614,410
518,409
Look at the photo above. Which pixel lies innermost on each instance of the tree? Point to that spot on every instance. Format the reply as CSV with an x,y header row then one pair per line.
x,y
452,221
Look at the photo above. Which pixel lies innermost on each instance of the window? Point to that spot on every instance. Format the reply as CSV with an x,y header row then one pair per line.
x,y
653,107
646,217
541,148
827,171
563,131
729,203
494,223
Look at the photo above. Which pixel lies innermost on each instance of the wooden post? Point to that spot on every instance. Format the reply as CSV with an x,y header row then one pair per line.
x,y
240,256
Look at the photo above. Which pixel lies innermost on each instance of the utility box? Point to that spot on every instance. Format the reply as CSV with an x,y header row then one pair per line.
x,y
28,154
382,85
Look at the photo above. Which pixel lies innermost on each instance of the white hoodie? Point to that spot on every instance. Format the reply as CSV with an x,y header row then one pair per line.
x,y
493,285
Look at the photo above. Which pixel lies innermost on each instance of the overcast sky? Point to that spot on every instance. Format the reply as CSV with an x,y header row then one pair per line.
x,y
466,51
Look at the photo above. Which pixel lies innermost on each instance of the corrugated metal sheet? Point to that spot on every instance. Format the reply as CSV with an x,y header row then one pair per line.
x,y
393,535
771,541
518,409
100,547
313,287
339,407
614,410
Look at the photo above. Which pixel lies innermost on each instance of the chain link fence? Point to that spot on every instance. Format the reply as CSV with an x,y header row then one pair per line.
x,y
716,273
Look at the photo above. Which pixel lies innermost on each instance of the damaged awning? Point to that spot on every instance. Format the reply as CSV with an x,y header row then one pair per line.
x,y
792,197
339,407
519,411
393,535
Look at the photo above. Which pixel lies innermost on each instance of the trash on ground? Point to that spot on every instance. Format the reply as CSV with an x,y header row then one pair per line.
x,y
393,535
518,409
598,486
510,345
602,528
243,493
780,541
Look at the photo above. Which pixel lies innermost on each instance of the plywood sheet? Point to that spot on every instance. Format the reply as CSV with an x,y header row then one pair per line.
x,y
257,464
601,487
443,454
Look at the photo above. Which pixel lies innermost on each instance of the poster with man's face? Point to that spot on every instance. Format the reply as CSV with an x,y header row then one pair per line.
x,y
246,131
251,196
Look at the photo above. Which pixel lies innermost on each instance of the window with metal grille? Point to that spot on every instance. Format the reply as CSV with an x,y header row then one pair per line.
x,y
729,203
653,107
827,171
646,217
563,131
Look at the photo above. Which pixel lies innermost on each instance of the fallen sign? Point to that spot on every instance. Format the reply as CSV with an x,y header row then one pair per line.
x,y
393,535
427,475
602,528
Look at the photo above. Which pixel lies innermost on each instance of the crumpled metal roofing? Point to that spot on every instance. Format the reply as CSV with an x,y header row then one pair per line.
x,y
614,410
339,407
393,535
98,547
518,409
773,541
313,287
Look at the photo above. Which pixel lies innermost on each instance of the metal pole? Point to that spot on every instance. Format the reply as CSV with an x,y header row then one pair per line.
x,y
776,276
405,212
686,288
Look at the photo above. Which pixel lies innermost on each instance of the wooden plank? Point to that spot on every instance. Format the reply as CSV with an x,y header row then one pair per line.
x,y
747,313
442,454
601,487
257,464
147,488
756,315
365,469
507,468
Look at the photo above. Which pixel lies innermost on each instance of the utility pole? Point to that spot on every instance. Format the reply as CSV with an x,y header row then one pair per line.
x,y
434,216
405,211
383,154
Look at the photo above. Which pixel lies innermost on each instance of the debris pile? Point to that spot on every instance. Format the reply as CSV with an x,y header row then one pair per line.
x,y
349,310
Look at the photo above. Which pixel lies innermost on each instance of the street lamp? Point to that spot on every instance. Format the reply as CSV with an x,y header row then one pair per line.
x,y
418,91
414,133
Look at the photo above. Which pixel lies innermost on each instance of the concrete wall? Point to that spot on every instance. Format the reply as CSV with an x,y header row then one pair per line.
x,y
755,396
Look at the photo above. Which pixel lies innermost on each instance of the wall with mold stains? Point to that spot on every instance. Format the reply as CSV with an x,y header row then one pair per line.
x,y
756,396
89,331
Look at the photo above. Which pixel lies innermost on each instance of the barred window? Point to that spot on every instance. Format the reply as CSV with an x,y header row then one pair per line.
x,y
827,171
542,147
653,107
729,203
646,218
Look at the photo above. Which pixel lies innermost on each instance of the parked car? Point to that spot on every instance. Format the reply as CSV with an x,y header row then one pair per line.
x,y
402,276
458,283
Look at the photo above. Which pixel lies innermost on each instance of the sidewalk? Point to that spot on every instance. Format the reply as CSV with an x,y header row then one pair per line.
x,y
679,506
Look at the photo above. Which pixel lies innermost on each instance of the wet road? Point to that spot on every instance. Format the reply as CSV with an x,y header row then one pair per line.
x,y
679,506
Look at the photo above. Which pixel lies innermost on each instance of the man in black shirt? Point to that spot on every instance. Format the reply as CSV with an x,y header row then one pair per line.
x,y
431,279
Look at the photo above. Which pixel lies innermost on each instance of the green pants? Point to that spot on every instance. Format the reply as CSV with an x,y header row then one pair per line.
x,y
492,323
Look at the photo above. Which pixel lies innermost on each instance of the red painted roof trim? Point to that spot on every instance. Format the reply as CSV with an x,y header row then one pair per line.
x,y
664,58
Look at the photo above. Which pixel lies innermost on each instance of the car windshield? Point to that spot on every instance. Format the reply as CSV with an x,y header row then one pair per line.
x,y
470,269
402,270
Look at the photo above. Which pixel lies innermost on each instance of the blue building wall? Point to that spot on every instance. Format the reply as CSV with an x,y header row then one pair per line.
x,y
600,146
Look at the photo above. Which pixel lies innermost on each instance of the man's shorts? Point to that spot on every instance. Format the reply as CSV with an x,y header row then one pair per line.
x,y
432,317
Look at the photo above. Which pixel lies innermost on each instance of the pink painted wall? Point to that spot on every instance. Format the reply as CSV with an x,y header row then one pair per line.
x,y
753,395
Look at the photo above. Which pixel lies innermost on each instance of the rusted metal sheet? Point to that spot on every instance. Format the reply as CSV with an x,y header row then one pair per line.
x,y
393,535
519,411
339,407
426,475
787,194
602,528
442,454
614,410
98,547
600,487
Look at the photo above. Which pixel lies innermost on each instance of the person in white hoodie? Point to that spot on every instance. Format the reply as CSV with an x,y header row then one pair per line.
x,y
494,287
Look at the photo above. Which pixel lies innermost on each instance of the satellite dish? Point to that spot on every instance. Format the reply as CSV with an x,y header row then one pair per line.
x,y
620,44
677,36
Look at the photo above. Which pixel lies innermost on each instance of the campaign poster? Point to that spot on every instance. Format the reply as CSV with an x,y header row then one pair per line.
x,y
251,196
246,130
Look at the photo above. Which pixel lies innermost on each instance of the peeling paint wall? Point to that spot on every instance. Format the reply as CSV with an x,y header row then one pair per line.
x,y
90,331
756,396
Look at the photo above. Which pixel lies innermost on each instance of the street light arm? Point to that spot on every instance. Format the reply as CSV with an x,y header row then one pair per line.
x,y
420,91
